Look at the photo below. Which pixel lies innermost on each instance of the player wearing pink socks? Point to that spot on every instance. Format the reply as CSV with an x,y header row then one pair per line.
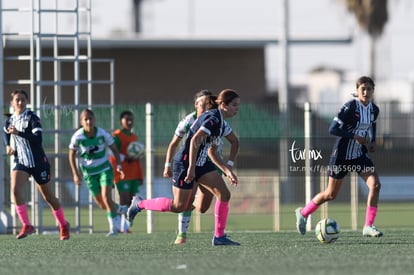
x,y
23,136
194,166
355,128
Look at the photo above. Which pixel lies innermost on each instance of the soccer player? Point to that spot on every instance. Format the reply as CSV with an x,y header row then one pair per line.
x,y
91,143
355,128
203,197
194,164
23,127
129,185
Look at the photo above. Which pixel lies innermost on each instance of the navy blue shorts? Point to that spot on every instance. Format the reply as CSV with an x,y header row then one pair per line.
x,y
41,174
180,172
339,168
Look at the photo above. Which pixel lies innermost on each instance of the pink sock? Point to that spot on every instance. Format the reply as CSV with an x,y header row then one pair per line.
x,y
59,216
157,204
221,211
21,211
370,215
309,209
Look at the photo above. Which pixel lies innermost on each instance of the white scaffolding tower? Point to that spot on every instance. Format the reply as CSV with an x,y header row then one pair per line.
x,y
49,43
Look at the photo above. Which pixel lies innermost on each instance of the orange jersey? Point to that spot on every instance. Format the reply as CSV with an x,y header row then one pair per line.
x,y
132,169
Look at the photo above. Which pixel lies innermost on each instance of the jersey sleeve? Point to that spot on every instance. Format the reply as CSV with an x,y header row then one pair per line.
x,y
227,129
184,125
337,127
211,124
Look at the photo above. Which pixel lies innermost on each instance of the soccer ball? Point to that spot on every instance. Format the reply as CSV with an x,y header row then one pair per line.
x,y
136,150
327,230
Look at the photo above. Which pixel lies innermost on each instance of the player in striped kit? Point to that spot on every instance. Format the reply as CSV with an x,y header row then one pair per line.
x,y
203,197
194,164
355,128
23,127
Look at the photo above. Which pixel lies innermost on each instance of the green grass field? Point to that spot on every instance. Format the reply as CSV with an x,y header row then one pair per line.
x,y
262,253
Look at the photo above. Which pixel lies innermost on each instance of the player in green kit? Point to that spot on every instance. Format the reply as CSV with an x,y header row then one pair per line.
x,y
91,142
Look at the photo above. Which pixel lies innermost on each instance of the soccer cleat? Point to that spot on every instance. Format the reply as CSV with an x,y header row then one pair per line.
x,y
26,230
133,210
112,234
181,238
65,232
371,231
300,222
223,241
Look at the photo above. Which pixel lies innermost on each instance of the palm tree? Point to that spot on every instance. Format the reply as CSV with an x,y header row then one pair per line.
x,y
371,15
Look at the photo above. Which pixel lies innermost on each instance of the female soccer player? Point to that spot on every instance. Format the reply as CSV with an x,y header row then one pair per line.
x,y
355,128
128,186
195,163
202,103
91,143
24,128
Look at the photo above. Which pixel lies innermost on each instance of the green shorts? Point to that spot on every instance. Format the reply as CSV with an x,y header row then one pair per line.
x,y
128,186
96,182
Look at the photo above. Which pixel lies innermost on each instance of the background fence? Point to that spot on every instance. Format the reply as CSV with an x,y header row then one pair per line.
x,y
262,201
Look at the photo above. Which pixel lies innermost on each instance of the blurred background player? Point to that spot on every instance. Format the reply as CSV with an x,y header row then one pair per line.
x,y
129,185
24,128
204,197
91,143
355,128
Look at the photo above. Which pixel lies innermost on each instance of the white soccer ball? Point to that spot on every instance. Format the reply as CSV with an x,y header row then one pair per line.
x,y
327,230
136,150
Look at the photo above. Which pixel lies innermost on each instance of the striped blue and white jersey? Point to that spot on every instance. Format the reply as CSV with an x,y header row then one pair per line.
x,y
94,158
354,118
213,124
28,143
185,124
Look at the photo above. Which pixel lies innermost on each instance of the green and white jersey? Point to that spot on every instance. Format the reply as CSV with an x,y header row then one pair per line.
x,y
92,151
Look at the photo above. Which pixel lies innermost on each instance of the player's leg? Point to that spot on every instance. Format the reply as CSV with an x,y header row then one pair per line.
x,y
203,199
184,217
106,181
330,193
215,184
374,186
46,190
17,183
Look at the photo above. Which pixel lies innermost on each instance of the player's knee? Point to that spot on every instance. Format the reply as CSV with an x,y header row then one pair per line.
x,y
377,186
225,196
330,196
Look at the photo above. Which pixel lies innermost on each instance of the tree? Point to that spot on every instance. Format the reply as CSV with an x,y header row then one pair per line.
x,y
371,15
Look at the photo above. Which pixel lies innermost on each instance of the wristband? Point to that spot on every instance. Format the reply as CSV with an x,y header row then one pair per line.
x,y
119,167
167,164
230,163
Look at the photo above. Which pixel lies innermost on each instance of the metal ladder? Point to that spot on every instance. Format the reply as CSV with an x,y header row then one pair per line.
x,y
50,45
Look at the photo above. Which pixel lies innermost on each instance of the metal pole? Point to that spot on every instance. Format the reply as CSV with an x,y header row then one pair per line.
x,y
354,201
149,174
308,176
284,102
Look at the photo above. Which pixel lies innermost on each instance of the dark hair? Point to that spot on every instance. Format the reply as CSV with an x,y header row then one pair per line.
x,y
212,102
226,96
202,93
365,79
126,113
18,91
87,112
